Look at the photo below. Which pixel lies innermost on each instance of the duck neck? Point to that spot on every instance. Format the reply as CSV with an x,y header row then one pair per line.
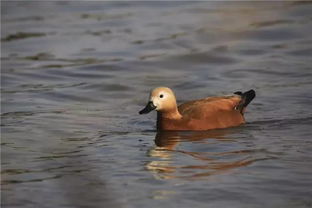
x,y
172,114
168,120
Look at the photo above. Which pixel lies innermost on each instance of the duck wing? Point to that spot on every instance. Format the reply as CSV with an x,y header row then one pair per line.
x,y
210,107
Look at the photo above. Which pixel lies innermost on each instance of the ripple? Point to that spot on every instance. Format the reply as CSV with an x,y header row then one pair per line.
x,y
26,18
17,114
270,23
100,17
12,181
21,35
247,72
204,57
283,122
15,171
40,87
64,155
109,87
272,35
301,52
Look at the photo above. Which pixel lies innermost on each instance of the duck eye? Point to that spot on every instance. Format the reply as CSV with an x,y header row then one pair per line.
x,y
161,96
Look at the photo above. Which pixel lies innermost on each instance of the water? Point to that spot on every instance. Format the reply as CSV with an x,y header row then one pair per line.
x,y
75,74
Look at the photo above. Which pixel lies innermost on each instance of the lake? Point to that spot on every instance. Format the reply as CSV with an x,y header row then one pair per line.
x,y
75,74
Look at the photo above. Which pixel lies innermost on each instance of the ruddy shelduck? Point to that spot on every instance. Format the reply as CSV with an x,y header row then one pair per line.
x,y
204,114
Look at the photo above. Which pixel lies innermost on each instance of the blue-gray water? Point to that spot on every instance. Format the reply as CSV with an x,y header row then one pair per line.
x,y
75,74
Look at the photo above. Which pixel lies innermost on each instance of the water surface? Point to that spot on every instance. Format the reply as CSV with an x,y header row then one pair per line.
x,y
75,74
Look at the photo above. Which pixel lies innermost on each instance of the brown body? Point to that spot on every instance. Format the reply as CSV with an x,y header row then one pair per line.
x,y
204,114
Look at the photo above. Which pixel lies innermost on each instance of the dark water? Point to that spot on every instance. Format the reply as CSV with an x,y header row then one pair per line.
x,y
75,74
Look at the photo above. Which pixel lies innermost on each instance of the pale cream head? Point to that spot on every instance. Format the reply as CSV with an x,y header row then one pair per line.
x,y
163,99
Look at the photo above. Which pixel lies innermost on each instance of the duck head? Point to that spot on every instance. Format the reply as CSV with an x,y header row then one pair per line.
x,y
162,99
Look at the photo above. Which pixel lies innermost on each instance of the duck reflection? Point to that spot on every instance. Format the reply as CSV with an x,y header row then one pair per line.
x,y
170,160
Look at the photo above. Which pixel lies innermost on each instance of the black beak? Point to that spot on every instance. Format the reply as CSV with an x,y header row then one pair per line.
x,y
148,108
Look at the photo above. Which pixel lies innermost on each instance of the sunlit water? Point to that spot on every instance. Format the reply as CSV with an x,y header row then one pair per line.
x,y
74,76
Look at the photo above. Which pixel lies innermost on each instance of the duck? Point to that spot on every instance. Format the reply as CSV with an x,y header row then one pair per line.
x,y
216,112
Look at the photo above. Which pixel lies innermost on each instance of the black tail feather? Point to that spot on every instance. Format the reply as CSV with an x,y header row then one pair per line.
x,y
247,97
238,93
